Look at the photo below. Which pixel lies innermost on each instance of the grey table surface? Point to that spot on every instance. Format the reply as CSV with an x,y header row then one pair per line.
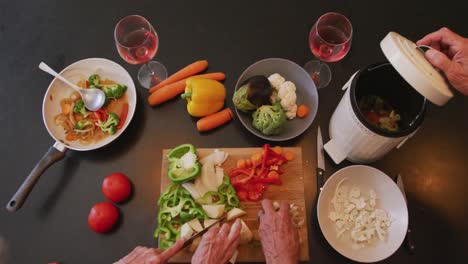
x,y
52,225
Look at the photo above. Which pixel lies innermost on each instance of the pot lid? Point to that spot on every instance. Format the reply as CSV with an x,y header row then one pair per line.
x,y
413,66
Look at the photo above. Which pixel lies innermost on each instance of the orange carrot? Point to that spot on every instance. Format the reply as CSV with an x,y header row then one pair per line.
x,y
173,90
183,73
70,137
256,158
214,120
241,164
66,109
248,163
302,111
273,175
218,76
288,155
278,150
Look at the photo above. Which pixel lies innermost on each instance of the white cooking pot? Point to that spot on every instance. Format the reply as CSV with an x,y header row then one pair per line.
x,y
355,139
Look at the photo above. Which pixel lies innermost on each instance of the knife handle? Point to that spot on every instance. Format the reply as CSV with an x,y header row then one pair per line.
x,y
409,241
320,179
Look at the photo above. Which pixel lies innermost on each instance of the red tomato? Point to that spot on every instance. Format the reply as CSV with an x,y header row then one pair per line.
x,y
242,195
102,217
254,196
373,118
116,187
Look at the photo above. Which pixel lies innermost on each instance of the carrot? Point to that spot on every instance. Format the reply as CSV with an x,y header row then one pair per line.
x,y
302,111
183,73
273,175
278,150
214,120
248,163
173,90
241,164
70,137
66,109
123,116
256,158
288,155
218,76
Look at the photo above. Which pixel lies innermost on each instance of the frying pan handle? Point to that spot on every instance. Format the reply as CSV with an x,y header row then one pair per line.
x,y
55,153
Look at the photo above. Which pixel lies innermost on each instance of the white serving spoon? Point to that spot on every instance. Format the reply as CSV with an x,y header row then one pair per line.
x,y
93,98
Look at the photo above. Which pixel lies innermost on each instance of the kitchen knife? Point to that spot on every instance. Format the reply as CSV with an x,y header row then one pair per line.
x,y
408,238
190,240
320,162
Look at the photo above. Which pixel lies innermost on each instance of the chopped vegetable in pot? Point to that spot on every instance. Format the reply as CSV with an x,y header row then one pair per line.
x,y
379,113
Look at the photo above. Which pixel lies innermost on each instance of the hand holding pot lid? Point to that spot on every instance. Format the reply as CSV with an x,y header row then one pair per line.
x,y
449,53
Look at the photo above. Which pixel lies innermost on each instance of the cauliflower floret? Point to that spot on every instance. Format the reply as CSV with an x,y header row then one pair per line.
x,y
287,94
276,80
291,112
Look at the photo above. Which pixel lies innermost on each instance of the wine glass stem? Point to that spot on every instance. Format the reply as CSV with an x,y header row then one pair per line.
x,y
150,70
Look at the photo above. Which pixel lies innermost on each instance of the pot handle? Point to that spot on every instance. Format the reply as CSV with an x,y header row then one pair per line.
x,y
55,153
335,151
406,139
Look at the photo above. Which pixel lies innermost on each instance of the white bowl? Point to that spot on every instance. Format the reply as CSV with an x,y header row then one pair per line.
x,y
390,199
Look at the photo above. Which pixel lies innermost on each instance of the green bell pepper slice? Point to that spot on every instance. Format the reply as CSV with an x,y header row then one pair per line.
x,y
176,171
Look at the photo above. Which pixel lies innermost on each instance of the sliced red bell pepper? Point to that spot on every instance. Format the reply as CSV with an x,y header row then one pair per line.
x,y
238,171
242,195
255,196
266,154
123,116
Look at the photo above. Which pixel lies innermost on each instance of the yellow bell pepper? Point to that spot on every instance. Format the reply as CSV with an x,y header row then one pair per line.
x,y
204,96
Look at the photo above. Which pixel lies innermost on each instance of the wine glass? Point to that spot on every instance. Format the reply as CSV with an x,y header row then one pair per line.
x,y
329,40
137,43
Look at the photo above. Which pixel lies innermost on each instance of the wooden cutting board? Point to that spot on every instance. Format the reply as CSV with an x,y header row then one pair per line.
x,y
291,191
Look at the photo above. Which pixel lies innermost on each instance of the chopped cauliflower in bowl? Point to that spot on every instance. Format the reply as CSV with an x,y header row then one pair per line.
x,y
362,213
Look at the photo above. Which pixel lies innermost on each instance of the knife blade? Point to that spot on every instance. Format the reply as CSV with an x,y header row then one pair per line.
x,y
190,240
320,162
409,238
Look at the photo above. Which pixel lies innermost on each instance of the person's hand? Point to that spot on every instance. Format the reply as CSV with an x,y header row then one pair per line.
x,y
218,244
144,255
449,53
279,237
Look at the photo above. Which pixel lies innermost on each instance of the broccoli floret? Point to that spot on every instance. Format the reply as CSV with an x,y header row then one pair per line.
x,y
80,108
94,80
82,124
110,126
113,91
269,119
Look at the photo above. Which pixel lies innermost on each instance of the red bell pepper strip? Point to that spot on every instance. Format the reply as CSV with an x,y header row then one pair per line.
x,y
266,152
123,116
86,84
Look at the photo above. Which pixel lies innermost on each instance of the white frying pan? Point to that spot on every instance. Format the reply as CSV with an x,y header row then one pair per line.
x,y
51,107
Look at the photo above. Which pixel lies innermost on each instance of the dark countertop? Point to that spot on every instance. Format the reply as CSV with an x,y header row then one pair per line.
x,y
52,225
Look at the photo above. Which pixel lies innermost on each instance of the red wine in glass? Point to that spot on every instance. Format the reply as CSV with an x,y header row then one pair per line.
x,y
329,40
142,47
137,43
331,45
